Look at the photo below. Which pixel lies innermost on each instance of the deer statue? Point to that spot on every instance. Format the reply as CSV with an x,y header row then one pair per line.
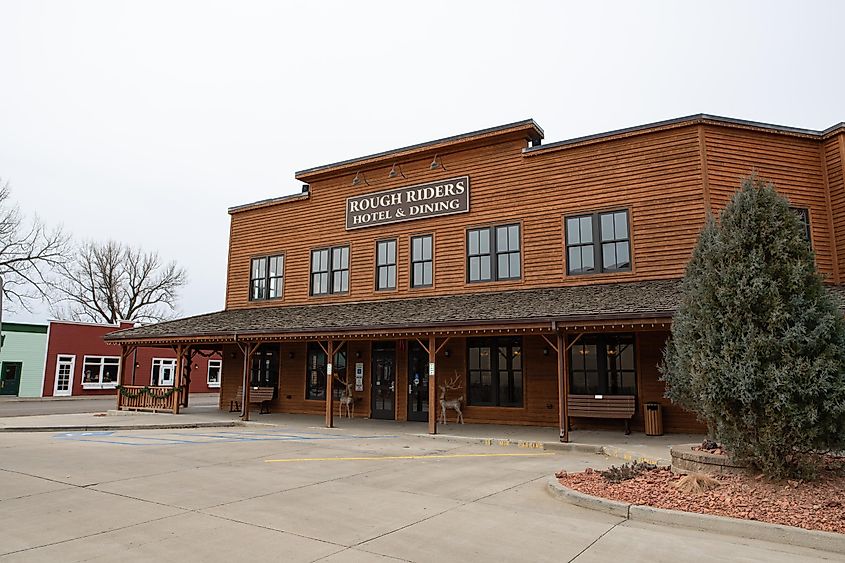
x,y
455,404
346,401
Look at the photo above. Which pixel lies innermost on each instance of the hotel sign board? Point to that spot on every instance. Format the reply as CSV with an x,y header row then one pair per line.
x,y
444,197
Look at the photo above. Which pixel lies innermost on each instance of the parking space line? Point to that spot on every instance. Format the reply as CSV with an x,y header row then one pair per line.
x,y
393,457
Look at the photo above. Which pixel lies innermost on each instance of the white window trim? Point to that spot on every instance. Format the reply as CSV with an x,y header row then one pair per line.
x,y
69,392
101,385
219,364
170,362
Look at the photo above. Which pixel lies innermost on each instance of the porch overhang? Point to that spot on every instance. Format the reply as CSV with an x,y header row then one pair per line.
x,y
620,306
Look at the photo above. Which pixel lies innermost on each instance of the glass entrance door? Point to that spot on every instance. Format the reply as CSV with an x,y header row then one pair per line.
x,y
10,378
384,380
64,376
417,382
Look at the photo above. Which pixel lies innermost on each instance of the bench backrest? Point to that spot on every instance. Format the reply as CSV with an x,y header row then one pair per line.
x,y
256,394
602,406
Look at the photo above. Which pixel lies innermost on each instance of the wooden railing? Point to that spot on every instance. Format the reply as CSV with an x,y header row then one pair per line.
x,y
139,397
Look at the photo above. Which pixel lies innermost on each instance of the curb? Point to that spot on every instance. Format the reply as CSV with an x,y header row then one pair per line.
x,y
752,529
94,428
610,451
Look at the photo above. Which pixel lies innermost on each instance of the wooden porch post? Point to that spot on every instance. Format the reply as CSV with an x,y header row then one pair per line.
x,y
248,350
177,377
329,386
432,387
123,355
562,386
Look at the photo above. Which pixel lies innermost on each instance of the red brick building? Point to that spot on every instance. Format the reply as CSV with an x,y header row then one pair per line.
x,y
79,362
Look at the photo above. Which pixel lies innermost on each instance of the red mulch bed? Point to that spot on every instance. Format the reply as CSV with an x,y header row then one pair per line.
x,y
816,505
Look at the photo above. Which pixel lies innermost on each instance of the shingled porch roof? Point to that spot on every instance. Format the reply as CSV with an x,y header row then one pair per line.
x,y
585,304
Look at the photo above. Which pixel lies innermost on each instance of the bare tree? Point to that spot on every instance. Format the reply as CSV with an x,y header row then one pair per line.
x,y
29,251
110,282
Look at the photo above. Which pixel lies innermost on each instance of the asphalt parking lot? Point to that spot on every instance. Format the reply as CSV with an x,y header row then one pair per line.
x,y
311,494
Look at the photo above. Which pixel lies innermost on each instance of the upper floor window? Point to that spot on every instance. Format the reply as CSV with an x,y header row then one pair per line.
x,y
330,270
803,215
422,261
493,253
266,278
386,264
599,242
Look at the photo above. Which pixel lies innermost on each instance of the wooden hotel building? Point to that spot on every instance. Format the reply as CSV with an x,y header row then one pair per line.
x,y
535,281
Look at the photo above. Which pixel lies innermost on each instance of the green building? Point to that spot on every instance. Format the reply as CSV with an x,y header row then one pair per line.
x,y
22,359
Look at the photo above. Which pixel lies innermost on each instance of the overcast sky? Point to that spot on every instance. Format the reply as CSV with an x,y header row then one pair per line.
x,y
144,121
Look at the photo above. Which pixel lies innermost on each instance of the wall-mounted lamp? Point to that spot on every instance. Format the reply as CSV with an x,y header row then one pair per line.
x,y
447,352
545,350
137,365
290,355
394,172
233,355
437,163
196,366
358,354
359,178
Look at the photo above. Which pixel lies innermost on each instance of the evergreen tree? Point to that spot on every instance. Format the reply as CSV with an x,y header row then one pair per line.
x,y
758,345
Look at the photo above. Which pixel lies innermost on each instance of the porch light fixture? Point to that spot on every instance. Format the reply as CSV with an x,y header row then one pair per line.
x,y
358,354
359,178
290,355
437,163
393,172
447,352
545,350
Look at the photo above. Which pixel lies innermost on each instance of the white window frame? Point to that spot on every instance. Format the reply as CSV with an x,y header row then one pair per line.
x,y
171,363
219,365
60,359
100,384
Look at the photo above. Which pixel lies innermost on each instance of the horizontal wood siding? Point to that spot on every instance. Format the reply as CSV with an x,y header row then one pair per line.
x,y
657,176
792,164
650,347
833,154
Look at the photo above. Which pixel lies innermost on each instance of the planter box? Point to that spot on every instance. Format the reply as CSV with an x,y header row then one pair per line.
x,y
686,460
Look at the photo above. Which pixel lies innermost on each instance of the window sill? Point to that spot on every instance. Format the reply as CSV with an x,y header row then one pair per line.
x,y
99,385
213,385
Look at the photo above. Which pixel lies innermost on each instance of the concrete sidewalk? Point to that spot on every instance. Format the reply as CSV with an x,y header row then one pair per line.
x,y
654,449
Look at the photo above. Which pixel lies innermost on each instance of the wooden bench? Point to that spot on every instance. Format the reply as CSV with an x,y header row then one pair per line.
x,y
257,395
603,406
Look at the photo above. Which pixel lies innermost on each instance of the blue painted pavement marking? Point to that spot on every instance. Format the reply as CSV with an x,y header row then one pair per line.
x,y
209,438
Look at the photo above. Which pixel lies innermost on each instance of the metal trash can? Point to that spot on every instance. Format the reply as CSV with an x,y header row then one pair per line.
x,y
653,419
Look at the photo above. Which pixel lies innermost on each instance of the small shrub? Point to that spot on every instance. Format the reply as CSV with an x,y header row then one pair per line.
x,y
626,471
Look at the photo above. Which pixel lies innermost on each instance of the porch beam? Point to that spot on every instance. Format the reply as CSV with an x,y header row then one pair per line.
x,y
432,382
424,347
552,345
446,341
329,386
